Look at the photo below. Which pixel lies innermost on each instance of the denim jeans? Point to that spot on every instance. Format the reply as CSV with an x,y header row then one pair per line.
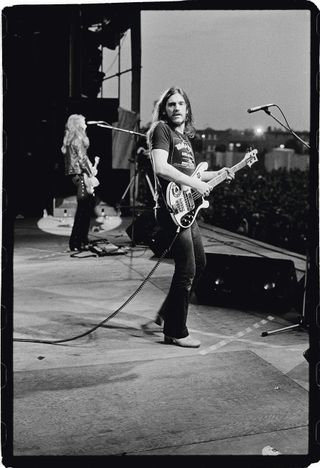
x,y
190,260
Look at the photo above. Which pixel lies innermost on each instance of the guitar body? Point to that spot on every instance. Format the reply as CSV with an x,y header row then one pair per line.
x,y
91,181
185,202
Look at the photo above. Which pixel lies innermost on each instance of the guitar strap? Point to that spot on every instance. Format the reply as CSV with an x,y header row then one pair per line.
x,y
158,189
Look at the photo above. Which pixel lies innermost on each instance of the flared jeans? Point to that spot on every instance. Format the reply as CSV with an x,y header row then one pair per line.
x,y
189,263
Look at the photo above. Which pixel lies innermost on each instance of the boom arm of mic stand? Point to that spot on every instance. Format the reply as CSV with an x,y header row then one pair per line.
x,y
287,128
105,125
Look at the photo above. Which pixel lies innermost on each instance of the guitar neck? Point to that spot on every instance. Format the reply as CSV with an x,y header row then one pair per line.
x,y
220,178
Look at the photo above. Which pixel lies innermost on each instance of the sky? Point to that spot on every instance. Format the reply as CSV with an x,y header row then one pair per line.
x,y
226,61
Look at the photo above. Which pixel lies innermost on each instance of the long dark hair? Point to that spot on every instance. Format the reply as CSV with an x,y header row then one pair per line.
x,y
160,114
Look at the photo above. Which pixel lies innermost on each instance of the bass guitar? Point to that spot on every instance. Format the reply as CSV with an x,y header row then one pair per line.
x,y
184,202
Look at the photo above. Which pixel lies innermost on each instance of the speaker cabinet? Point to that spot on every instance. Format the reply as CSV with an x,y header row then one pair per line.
x,y
248,282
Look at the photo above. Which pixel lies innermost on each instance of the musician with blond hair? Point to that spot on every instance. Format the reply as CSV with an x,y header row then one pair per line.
x,y
80,169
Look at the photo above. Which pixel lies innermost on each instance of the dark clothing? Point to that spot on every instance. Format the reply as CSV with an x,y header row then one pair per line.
x,y
77,163
81,224
187,250
76,159
190,260
178,146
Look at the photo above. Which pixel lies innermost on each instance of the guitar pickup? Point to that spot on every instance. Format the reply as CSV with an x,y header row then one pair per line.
x,y
177,207
189,201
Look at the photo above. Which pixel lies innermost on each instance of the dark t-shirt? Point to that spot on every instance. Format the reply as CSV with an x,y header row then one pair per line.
x,y
180,153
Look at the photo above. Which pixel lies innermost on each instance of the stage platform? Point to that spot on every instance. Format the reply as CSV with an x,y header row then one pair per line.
x,y
121,391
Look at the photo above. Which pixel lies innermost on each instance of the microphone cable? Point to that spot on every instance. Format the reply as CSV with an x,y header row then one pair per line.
x,y
275,105
88,332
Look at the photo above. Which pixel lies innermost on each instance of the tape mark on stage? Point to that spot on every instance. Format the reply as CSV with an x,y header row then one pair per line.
x,y
238,335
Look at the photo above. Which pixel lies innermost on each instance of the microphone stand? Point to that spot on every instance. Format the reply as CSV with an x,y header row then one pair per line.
x,y
118,129
287,128
302,322
135,134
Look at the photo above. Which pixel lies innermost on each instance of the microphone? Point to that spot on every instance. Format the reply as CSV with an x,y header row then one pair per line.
x,y
255,109
94,122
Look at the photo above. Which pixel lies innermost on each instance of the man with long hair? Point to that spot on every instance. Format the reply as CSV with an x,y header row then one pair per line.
x,y
173,161
77,164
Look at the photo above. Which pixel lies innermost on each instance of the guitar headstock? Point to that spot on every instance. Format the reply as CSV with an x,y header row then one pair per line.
x,y
251,157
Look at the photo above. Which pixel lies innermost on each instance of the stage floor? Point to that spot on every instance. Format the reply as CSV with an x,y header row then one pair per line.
x,y
119,390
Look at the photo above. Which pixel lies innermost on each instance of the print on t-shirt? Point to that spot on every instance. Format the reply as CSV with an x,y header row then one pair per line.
x,y
183,155
180,153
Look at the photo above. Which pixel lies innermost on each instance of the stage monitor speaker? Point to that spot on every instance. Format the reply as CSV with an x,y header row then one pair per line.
x,y
248,282
145,231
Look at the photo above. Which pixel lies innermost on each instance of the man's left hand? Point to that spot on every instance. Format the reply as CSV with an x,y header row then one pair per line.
x,y
230,173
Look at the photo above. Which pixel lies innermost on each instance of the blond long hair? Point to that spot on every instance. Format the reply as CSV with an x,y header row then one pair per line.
x,y
75,132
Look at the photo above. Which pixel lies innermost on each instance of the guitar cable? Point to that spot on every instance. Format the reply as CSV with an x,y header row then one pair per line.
x,y
88,332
